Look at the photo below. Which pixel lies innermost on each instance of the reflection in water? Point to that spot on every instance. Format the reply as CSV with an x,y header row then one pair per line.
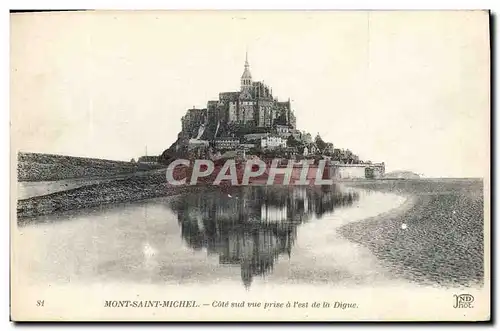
x,y
251,226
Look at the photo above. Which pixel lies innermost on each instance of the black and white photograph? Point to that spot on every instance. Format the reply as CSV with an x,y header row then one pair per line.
x,y
250,165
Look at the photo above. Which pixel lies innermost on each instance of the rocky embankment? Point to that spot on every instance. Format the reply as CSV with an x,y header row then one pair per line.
x,y
118,191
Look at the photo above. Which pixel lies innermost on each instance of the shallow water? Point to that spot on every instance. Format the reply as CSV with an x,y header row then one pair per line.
x,y
27,190
251,235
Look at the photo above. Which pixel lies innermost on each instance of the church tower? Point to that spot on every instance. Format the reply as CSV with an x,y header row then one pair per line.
x,y
246,78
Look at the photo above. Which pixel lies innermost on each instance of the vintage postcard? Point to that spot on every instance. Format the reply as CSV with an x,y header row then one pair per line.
x,y
250,166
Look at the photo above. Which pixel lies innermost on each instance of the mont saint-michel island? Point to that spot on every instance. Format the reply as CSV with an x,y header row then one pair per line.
x,y
253,123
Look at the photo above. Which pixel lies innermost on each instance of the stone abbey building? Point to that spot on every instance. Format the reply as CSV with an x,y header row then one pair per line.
x,y
253,108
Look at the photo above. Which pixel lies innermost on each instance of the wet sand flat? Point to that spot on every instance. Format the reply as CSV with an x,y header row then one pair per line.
x,y
435,238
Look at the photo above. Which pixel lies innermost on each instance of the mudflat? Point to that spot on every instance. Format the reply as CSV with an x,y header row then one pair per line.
x,y
436,237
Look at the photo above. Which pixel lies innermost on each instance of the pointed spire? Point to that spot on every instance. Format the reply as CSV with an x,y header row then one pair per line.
x,y
247,65
246,77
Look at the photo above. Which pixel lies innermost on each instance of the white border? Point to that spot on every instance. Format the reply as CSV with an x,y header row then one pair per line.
x,y
189,5
254,4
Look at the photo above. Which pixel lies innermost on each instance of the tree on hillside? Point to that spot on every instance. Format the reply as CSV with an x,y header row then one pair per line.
x,y
337,154
255,151
328,151
292,142
320,143
274,153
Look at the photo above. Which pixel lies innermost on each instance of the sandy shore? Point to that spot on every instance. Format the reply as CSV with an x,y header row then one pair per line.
x,y
436,237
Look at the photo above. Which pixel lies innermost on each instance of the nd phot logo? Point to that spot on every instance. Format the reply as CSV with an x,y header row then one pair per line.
x,y
463,301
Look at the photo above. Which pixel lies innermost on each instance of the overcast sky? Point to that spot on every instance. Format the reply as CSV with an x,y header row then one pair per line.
x,y
407,88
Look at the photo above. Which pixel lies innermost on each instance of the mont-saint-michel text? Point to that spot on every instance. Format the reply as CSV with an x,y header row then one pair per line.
x,y
227,304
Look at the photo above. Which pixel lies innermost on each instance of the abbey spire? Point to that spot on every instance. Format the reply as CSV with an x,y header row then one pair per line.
x,y
246,77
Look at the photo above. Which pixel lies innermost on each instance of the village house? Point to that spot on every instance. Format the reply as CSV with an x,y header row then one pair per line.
x,y
272,142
